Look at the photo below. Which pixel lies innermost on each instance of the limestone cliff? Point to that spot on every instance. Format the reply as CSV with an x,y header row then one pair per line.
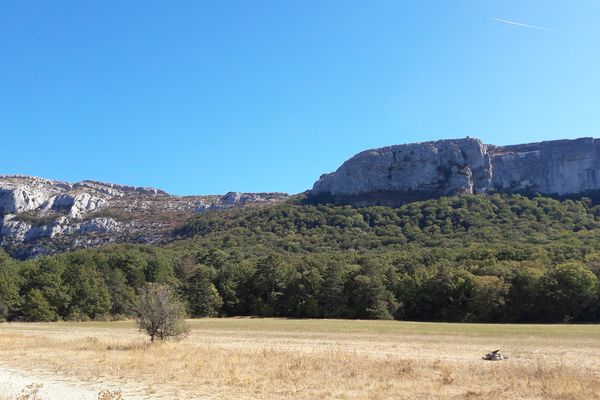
x,y
447,167
41,216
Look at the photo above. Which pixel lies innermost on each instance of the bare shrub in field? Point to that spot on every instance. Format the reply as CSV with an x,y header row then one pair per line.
x,y
160,313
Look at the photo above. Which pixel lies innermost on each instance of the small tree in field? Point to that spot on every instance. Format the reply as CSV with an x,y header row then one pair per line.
x,y
160,313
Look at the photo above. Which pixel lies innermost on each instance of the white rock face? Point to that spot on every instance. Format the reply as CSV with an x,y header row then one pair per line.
x,y
20,194
41,216
99,225
21,199
54,208
13,229
237,199
444,167
113,189
448,167
77,204
43,231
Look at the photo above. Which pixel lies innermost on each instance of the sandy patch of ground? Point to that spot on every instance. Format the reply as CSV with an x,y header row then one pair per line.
x,y
14,382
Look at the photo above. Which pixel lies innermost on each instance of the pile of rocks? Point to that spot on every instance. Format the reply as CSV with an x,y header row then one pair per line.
x,y
495,355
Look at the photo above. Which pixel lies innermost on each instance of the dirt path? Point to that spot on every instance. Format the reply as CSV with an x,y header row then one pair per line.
x,y
51,387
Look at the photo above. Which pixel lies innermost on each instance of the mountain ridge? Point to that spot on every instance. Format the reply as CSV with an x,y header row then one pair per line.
x,y
42,216
396,174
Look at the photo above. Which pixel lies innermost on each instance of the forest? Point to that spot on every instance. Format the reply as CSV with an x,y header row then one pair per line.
x,y
469,258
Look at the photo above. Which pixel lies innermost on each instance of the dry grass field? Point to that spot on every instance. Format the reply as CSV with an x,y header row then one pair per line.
x,y
245,358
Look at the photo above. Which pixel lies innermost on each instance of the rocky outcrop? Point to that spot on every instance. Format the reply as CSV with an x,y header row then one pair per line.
x,y
447,167
555,167
19,194
113,189
41,216
237,199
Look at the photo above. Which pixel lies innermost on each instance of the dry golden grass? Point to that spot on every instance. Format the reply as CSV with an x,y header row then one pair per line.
x,y
295,359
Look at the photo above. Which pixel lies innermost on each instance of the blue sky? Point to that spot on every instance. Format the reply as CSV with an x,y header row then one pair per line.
x,y
206,97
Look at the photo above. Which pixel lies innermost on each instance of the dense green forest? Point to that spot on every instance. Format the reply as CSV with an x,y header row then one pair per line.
x,y
483,258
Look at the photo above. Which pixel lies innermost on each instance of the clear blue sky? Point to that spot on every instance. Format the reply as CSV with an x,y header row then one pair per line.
x,y
210,96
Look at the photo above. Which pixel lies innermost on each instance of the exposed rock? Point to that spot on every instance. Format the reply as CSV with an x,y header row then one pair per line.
x,y
554,167
20,199
448,167
237,199
41,216
43,231
231,198
113,189
16,230
201,206
22,231
99,225
77,204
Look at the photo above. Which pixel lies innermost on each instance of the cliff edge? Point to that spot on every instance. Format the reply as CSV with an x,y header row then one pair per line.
x,y
414,171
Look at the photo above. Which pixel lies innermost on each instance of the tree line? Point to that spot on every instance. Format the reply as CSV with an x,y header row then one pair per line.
x,y
498,258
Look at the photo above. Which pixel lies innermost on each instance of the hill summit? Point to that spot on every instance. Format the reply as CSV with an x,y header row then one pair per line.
x,y
401,173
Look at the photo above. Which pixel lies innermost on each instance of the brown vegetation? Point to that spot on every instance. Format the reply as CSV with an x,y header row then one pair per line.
x,y
264,359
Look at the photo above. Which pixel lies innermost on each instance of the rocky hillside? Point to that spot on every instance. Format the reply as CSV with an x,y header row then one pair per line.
x,y
396,174
40,216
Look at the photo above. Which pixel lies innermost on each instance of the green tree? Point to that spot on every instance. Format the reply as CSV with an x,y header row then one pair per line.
x,y
158,268
37,307
333,302
489,298
368,295
233,282
131,263
301,297
446,296
10,300
46,275
122,297
566,292
269,283
521,304
203,297
89,294
214,258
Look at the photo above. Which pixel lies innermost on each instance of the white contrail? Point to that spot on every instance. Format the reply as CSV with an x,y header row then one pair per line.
x,y
523,25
